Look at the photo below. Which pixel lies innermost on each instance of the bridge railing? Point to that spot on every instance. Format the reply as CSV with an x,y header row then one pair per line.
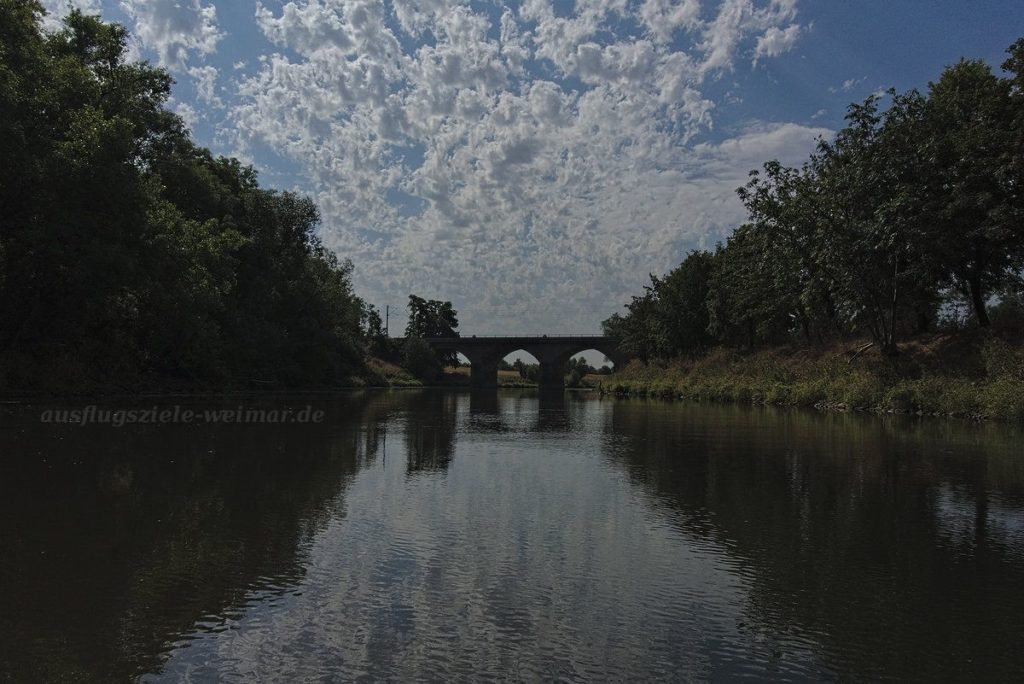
x,y
539,336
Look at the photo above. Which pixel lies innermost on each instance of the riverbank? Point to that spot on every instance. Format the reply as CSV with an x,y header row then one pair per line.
x,y
381,373
972,374
377,374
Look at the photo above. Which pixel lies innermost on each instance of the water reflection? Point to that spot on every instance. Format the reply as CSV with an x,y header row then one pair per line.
x,y
118,541
552,415
430,421
513,535
895,546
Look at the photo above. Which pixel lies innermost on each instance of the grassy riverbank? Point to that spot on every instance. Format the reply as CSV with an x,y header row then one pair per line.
x,y
968,374
385,374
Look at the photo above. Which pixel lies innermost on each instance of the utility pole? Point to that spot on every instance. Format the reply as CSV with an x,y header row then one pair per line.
x,y
387,320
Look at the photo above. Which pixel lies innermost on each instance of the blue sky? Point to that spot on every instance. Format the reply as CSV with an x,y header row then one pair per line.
x,y
534,161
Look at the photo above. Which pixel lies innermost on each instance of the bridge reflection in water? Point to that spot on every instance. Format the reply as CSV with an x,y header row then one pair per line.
x,y
551,351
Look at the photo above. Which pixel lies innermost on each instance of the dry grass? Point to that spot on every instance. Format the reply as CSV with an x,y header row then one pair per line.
x,y
973,374
380,373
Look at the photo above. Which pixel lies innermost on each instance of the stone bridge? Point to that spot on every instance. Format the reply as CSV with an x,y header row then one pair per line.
x,y
552,351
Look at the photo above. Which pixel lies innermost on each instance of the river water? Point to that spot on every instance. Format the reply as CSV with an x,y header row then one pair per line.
x,y
444,535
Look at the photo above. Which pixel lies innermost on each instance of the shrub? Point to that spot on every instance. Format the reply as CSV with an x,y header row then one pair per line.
x,y
419,359
1002,361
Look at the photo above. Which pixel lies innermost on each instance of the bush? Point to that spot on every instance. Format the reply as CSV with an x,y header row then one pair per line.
x,y
1004,400
1003,361
861,391
419,359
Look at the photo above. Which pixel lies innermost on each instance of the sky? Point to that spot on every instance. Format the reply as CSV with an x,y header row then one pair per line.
x,y
533,162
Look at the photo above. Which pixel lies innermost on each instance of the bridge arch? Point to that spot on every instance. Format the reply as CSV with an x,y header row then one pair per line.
x,y
594,358
551,351
526,358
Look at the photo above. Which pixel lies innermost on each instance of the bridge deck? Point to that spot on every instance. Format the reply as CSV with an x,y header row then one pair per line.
x,y
491,339
588,336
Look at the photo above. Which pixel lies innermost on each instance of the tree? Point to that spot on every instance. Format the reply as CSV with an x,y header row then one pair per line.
x,y
527,371
973,175
127,252
418,358
639,333
743,309
372,326
580,365
793,285
682,305
431,318
874,250
869,235
671,317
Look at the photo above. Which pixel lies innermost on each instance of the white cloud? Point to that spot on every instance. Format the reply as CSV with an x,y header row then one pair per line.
x,y
313,26
776,41
533,167
186,111
848,85
174,28
205,79
735,21
663,18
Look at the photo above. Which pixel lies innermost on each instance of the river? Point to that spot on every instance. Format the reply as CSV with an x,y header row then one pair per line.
x,y
444,535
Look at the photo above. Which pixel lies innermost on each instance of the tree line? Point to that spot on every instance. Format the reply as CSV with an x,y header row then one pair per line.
x,y
913,211
127,251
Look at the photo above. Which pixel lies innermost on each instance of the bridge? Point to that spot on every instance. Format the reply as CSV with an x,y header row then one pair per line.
x,y
551,351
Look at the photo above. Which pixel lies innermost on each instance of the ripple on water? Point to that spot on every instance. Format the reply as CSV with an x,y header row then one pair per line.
x,y
431,537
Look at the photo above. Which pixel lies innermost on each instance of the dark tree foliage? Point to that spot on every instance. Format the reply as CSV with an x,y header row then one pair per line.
x,y
527,371
377,342
744,307
580,365
419,359
906,209
873,247
430,318
128,252
671,317
973,174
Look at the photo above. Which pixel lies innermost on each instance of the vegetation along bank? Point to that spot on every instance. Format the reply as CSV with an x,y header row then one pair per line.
x,y
884,273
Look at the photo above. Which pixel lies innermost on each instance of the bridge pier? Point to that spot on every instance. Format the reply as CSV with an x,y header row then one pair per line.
x,y
483,373
551,376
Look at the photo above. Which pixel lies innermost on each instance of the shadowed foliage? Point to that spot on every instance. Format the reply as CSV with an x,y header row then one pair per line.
x,y
129,256
911,213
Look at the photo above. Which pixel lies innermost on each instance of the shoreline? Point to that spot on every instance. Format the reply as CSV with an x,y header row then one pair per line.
x,y
646,391
970,377
821,406
230,394
975,376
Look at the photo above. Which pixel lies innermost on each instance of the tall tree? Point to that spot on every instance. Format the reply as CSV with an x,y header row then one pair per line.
x,y
126,251
671,317
639,332
784,206
974,176
743,307
875,250
682,304
431,318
